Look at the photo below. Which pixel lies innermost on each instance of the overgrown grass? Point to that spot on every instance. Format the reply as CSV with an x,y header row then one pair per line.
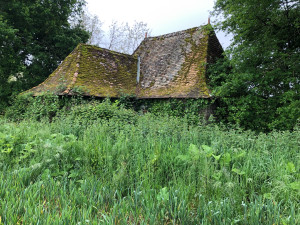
x,y
145,169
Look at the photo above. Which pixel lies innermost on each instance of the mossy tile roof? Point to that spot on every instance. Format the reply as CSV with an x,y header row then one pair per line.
x,y
92,71
174,65
171,66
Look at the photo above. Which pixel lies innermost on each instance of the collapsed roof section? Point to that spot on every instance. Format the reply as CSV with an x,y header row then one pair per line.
x,y
171,66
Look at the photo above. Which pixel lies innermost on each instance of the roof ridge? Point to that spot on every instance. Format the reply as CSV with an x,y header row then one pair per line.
x,y
176,33
107,50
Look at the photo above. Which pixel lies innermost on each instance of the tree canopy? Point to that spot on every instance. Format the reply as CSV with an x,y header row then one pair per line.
x,y
261,91
35,36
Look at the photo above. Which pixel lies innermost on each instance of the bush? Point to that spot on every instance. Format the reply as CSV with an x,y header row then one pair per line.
x,y
26,106
48,106
91,111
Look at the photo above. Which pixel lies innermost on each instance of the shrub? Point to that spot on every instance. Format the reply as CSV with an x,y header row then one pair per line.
x,y
27,106
88,112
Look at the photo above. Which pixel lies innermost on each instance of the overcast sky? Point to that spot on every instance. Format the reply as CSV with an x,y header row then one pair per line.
x,y
162,16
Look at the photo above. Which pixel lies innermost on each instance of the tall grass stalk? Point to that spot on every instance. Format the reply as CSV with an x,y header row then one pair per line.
x,y
146,170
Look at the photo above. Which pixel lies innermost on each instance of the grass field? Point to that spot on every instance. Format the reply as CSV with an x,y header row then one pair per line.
x,y
148,170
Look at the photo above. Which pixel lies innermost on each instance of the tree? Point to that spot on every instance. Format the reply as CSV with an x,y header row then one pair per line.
x,y
9,60
93,25
120,36
125,38
115,36
261,92
35,37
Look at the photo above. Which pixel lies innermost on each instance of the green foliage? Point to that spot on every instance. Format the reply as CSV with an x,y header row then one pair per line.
x,y
9,63
89,112
35,36
51,107
37,108
192,109
261,92
158,170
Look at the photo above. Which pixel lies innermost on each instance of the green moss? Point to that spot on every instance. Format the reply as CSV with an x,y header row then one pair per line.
x,y
194,67
91,70
196,59
61,78
107,73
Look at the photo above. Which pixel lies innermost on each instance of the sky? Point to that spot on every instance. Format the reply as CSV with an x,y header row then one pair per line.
x,y
161,16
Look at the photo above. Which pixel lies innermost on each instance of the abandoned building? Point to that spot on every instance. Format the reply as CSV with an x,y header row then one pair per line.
x,y
167,66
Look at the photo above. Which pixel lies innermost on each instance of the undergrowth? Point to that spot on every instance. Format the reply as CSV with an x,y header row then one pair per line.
x,y
50,107
103,164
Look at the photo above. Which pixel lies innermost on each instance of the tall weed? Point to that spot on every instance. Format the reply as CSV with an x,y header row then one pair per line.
x,y
101,164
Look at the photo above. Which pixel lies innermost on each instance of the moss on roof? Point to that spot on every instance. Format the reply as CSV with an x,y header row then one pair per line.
x,y
92,71
172,66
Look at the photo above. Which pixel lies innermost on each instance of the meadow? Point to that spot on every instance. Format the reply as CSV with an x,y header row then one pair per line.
x,y
130,168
